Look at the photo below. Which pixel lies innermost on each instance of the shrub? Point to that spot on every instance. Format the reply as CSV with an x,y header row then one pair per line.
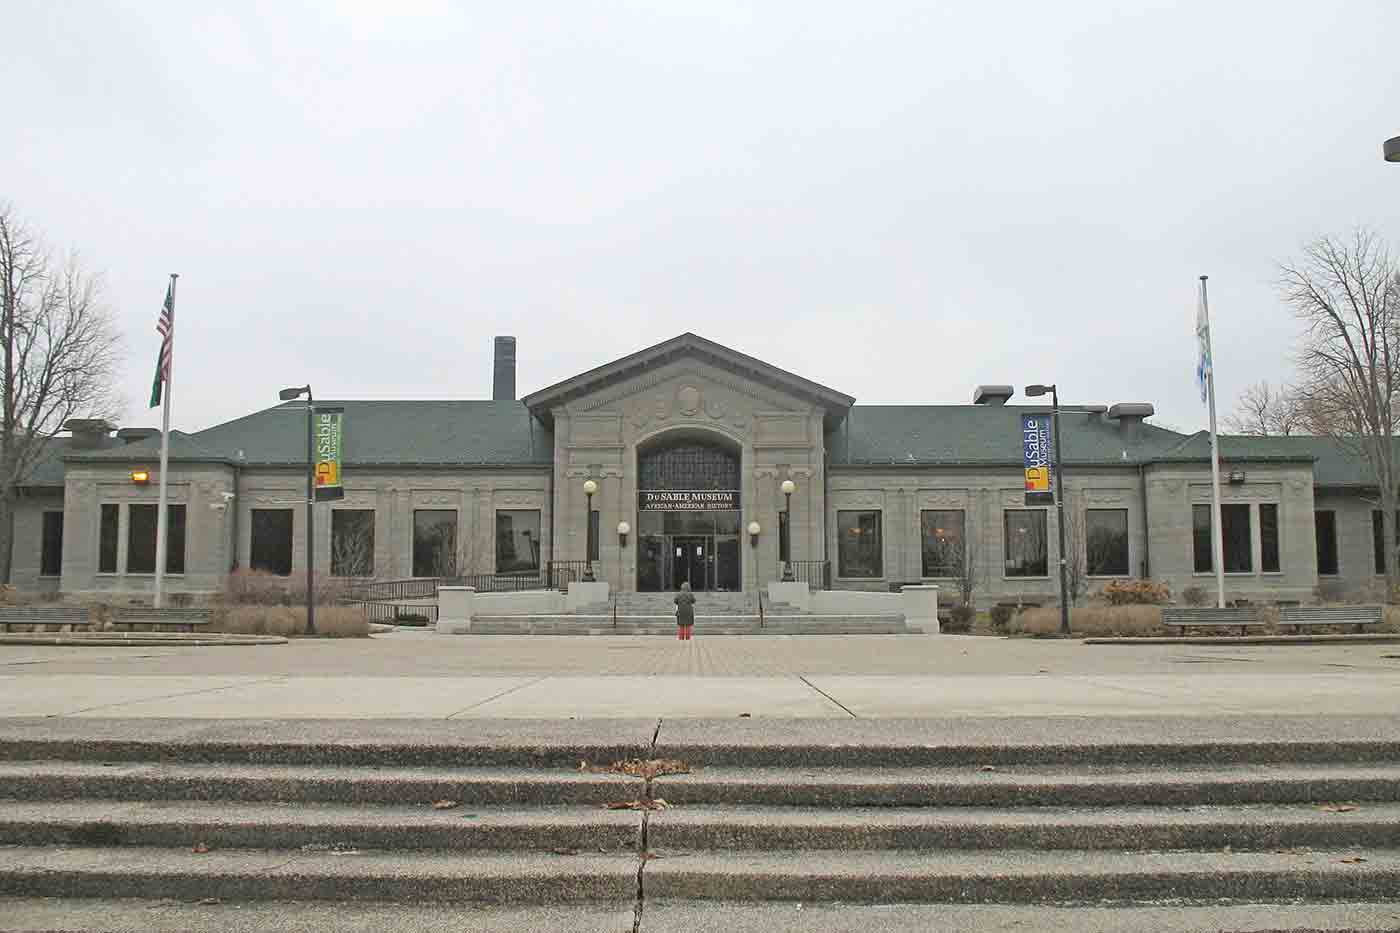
x,y
1000,617
261,588
1195,596
289,621
1093,621
1136,593
959,619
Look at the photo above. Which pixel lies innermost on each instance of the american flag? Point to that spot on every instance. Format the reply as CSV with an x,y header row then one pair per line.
x,y
165,326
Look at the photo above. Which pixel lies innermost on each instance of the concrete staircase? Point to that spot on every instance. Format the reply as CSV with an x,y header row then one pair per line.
x,y
715,614
775,812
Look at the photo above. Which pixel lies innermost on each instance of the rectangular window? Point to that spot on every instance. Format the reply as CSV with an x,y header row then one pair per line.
x,y
1106,542
435,543
859,547
1234,522
174,539
271,546
51,546
1026,543
944,547
1268,537
1326,524
141,539
107,539
518,540
352,543
1201,545
1378,535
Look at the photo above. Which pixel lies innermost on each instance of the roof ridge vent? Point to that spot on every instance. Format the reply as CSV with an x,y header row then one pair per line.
x,y
992,394
1129,416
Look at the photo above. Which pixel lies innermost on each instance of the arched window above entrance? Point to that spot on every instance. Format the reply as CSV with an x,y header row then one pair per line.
x,y
688,464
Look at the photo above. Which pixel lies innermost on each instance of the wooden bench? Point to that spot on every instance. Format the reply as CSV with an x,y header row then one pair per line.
x,y
1182,618
43,615
1360,616
160,618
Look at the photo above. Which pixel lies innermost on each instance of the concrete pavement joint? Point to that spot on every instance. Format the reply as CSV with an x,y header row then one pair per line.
x,y
827,695
168,696
479,703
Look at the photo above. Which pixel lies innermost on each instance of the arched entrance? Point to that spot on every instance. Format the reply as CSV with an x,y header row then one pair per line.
x,y
688,513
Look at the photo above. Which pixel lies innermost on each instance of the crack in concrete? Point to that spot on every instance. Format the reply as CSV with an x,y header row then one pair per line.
x,y
168,696
828,696
643,840
497,696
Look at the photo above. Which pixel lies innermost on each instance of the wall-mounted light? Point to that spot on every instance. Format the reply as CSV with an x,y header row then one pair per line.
x,y
623,530
1236,477
141,477
754,529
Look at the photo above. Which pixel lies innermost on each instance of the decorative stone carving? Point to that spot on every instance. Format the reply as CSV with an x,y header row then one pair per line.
x,y
688,400
639,415
714,408
662,409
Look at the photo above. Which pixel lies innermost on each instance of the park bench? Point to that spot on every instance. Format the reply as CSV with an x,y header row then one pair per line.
x,y
43,615
1182,618
161,618
1360,616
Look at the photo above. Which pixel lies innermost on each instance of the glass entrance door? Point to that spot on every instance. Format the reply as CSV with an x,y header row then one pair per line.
x,y
699,548
692,556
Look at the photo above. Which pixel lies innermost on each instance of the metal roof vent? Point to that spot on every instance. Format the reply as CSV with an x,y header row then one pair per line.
x,y
992,395
1129,416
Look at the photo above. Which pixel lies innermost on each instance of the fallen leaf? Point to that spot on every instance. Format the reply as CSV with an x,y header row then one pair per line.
x,y
746,715
1351,860
645,803
199,848
562,851
1338,807
444,804
988,768
209,901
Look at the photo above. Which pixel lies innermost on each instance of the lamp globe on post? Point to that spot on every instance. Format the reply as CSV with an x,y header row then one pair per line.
x,y
788,487
288,395
589,488
1392,149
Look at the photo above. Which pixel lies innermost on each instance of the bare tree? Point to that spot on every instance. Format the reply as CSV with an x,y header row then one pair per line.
x,y
955,558
1076,554
352,548
1347,293
60,358
1265,411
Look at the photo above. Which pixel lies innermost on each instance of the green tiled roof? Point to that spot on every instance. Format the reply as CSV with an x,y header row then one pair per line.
x,y
412,433
982,435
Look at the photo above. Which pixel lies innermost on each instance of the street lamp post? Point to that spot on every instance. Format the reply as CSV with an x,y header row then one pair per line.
x,y
1059,487
788,487
287,395
589,488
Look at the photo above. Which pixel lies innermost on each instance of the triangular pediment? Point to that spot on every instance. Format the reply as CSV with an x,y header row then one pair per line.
x,y
687,347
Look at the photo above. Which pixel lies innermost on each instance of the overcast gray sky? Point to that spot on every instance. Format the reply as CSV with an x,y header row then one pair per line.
x,y
898,200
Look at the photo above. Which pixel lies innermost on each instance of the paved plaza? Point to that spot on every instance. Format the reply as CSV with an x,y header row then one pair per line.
x,y
420,675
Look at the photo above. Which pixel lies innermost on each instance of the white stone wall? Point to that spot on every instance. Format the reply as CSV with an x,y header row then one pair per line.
x,y
1356,561
1173,489
778,437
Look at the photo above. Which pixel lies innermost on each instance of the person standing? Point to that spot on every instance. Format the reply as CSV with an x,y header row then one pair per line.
x,y
685,612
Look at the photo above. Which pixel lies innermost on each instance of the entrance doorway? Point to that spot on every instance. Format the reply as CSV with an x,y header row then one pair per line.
x,y
688,513
699,548
692,556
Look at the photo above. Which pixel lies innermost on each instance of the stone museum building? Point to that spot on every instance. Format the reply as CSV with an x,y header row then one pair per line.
x,y
688,447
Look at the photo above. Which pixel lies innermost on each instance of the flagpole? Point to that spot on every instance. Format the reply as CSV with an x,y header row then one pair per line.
x,y
1217,532
164,459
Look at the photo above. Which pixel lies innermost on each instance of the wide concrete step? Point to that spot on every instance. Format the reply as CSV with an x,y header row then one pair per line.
x,y
807,876
168,916
805,748
967,786
1025,877
338,827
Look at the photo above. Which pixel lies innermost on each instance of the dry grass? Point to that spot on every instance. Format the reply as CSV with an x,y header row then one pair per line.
x,y
331,621
1092,621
